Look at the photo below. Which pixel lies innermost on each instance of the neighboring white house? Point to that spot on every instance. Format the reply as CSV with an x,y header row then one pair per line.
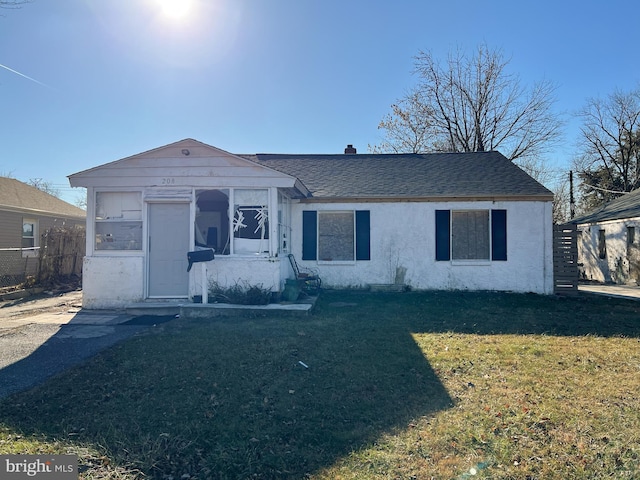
x,y
608,243
471,221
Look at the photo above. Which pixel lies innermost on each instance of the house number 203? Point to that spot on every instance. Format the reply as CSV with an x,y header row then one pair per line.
x,y
168,181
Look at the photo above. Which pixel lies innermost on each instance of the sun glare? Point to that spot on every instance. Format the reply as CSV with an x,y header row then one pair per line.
x,y
175,8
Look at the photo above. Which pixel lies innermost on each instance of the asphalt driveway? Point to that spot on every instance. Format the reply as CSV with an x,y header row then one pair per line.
x,y
42,337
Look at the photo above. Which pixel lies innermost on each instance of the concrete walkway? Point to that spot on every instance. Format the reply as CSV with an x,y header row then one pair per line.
x,y
42,337
616,291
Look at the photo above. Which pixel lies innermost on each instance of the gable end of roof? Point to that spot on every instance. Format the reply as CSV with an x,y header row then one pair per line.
x,y
16,195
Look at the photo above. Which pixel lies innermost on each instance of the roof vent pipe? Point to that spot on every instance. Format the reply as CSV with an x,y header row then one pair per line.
x,y
350,150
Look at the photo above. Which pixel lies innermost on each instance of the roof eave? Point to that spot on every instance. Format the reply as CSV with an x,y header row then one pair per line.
x,y
430,198
35,211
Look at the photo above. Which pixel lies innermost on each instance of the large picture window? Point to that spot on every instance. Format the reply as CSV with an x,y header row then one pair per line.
x,y
335,236
471,235
233,221
251,221
212,220
118,221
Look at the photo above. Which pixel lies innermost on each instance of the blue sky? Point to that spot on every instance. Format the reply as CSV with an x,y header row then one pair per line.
x,y
109,79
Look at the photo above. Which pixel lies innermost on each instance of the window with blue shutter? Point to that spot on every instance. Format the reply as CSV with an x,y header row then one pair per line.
x,y
309,235
443,235
363,235
464,235
336,235
499,235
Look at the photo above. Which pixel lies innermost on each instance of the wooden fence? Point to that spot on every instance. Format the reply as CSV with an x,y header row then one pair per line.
x,y
565,259
61,252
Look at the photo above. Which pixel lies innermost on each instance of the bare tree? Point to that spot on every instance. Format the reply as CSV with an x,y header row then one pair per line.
x,y
560,208
81,201
609,160
471,103
45,186
408,127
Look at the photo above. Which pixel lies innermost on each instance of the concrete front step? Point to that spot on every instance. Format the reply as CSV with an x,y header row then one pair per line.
x,y
159,309
199,310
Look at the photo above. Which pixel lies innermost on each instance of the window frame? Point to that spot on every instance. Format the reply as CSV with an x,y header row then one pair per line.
x,y
486,232
362,236
240,231
135,221
497,232
602,244
284,223
31,251
327,213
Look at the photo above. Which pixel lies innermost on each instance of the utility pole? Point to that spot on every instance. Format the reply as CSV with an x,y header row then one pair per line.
x,y
572,202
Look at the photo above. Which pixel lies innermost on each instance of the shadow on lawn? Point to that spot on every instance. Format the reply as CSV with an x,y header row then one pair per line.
x,y
264,398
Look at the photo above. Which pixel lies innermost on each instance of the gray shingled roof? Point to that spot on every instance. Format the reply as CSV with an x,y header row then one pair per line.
x,y
626,206
477,174
16,194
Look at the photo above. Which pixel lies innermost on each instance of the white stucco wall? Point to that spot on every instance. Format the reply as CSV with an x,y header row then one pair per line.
x,y
228,271
112,281
620,264
403,236
116,281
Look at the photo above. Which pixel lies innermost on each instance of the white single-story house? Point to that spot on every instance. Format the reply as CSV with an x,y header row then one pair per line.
x,y
472,221
608,243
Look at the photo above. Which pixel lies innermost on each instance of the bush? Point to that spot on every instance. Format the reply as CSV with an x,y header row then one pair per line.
x,y
239,294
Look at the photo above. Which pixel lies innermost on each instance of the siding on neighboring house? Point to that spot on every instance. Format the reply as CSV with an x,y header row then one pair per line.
x,y
615,261
609,243
11,231
20,202
15,264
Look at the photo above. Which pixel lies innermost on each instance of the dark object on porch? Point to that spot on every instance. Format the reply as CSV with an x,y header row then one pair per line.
x,y
308,280
199,256
212,237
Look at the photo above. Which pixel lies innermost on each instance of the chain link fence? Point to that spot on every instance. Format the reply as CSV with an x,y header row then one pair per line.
x,y
17,265
57,259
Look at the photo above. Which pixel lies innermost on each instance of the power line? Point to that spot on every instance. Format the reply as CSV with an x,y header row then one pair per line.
x,y
605,190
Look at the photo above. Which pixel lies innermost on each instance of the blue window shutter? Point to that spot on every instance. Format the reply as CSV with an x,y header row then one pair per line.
x,y
309,235
499,235
363,235
443,234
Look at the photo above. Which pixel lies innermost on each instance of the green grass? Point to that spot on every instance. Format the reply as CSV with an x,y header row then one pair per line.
x,y
398,386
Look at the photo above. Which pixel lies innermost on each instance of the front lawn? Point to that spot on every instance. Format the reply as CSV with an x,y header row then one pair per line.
x,y
370,386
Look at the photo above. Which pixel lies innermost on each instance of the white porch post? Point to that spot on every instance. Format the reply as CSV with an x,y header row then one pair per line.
x,y
205,290
273,221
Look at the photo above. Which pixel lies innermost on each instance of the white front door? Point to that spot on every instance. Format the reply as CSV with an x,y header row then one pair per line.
x,y
168,246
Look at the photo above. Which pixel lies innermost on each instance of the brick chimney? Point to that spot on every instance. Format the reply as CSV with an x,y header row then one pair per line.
x,y
350,150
